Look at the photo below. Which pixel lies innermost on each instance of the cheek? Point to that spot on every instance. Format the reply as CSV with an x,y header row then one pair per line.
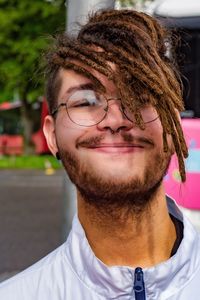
x,y
66,140
157,136
155,132
67,135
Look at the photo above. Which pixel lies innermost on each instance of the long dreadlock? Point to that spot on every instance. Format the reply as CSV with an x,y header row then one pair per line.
x,y
137,44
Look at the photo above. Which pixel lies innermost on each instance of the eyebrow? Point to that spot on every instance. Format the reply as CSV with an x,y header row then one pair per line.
x,y
84,86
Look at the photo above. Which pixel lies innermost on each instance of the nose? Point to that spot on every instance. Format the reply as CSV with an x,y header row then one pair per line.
x,y
115,120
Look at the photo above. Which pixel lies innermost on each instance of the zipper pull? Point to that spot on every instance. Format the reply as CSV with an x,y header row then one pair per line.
x,y
139,285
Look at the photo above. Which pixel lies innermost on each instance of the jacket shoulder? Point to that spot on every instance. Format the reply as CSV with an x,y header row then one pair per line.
x,y
36,282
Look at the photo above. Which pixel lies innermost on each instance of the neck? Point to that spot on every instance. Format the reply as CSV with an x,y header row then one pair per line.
x,y
143,239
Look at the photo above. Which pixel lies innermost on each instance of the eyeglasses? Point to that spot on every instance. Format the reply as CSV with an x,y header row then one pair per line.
x,y
88,108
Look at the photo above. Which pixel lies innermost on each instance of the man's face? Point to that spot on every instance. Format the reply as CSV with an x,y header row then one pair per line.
x,y
113,159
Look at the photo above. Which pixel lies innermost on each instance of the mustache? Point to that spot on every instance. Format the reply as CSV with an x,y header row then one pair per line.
x,y
95,141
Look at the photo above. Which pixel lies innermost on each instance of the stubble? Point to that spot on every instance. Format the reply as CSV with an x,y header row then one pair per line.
x,y
111,199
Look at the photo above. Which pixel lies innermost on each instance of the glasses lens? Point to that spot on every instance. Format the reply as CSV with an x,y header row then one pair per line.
x,y
86,107
148,113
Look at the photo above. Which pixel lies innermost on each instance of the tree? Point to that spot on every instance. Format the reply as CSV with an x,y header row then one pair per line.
x,y
133,3
24,27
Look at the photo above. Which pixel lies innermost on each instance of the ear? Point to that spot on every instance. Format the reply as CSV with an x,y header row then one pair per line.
x,y
49,132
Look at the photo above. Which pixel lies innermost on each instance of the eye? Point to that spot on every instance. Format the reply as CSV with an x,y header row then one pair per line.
x,y
82,103
83,98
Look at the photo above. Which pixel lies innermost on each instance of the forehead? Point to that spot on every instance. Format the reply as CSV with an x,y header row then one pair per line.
x,y
70,79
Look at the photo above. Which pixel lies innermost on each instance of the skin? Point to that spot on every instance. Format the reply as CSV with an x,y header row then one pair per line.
x,y
141,239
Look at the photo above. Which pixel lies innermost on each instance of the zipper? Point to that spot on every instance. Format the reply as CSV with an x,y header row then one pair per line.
x,y
139,285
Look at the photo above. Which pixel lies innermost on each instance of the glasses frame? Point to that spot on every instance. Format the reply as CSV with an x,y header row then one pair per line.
x,y
64,104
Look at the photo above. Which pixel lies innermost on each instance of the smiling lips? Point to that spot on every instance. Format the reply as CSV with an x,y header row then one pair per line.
x,y
117,147
127,145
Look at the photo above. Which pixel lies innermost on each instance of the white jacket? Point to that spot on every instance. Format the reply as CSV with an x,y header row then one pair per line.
x,y
72,272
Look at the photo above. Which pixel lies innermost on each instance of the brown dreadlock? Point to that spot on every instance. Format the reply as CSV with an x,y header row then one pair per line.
x,y
137,45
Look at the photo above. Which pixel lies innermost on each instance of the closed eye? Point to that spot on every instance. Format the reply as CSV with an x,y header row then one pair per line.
x,y
85,103
82,104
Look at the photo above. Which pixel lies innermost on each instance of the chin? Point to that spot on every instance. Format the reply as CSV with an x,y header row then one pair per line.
x,y
115,169
117,176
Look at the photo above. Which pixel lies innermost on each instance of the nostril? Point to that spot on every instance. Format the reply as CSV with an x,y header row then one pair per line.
x,y
117,130
121,128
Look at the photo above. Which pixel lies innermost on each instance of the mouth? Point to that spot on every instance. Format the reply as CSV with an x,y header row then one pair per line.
x,y
116,148
125,145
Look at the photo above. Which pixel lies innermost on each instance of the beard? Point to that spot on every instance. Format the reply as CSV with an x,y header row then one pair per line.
x,y
116,199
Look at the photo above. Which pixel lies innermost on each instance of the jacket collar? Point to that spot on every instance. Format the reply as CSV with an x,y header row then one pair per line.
x,y
114,282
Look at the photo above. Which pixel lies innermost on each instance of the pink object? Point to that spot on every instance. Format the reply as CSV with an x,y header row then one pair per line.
x,y
187,194
9,105
11,144
14,144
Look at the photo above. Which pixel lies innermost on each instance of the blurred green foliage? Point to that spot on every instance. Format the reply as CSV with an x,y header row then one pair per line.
x,y
128,3
24,27
133,3
29,162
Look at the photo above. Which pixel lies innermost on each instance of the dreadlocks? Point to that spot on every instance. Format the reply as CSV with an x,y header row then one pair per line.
x,y
137,45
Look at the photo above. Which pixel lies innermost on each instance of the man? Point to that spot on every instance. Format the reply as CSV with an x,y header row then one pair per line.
x,y
114,98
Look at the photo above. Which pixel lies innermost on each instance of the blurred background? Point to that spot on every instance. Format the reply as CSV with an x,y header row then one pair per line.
x,y
36,198
31,182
